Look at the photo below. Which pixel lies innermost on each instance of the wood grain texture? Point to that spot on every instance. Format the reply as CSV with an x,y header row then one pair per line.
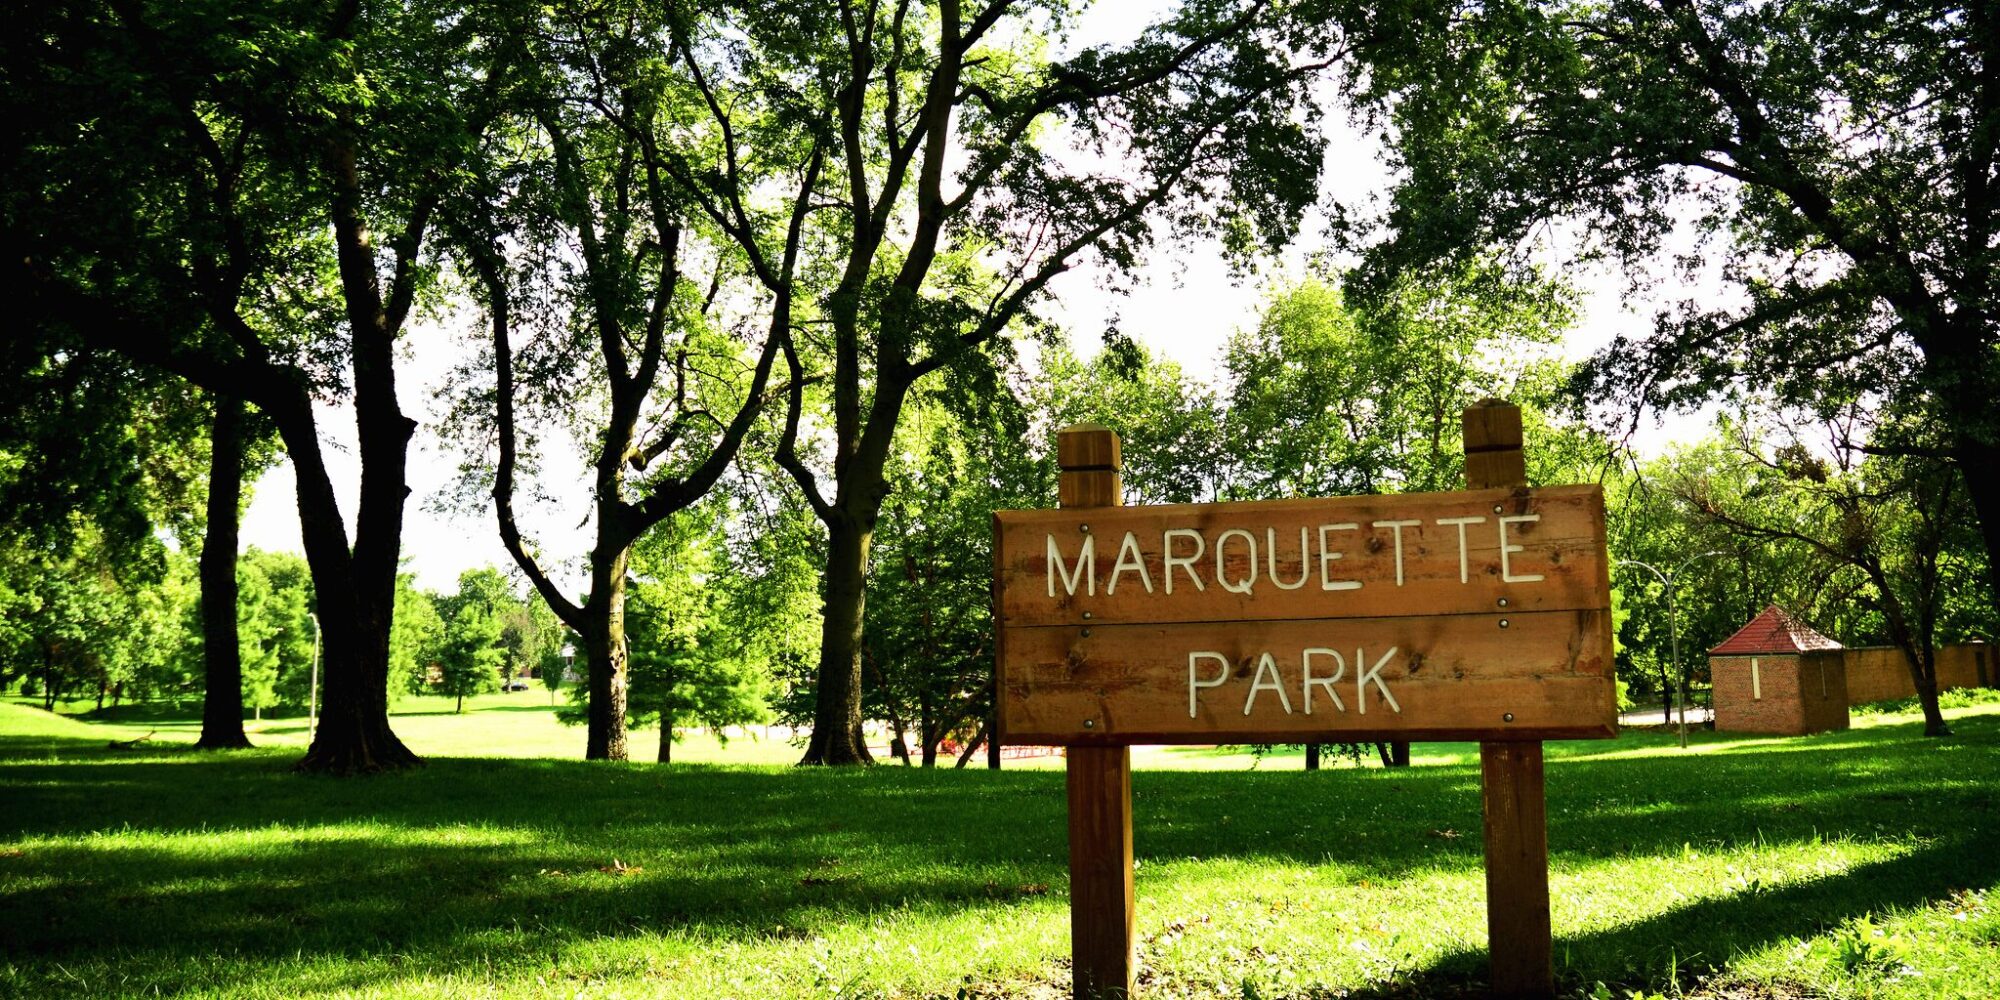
x,y
1517,870
1452,677
1099,779
1565,547
1512,789
1099,782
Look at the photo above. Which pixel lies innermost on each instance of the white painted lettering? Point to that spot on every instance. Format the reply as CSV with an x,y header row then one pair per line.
x,y
1169,560
1327,557
1506,570
1271,558
1374,673
1397,528
1249,579
1464,567
1265,665
1129,557
1194,675
1085,571
1326,683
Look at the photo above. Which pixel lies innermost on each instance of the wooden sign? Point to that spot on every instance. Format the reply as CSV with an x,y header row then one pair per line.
x,y
1482,614
1474,615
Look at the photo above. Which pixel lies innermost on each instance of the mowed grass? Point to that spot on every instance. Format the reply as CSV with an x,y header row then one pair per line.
x,y
1856,864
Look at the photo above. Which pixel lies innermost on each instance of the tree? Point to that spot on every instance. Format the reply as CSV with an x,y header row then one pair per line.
x,y
1326,399
415,638
198,188
1889,519
470,655
1835,164
623,320
963,171
274,627
693,658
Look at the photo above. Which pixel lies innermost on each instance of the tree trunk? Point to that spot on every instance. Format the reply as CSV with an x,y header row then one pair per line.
x,y
604,644
221,656
666,740
460,710
836,736
356,598
971,747
1312,756
1981,468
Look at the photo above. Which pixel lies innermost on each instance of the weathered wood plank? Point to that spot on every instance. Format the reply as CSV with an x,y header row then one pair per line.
x,y
1345,557
1131,683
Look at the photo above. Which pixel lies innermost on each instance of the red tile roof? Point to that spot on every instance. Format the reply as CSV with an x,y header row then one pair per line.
x,y
1774,631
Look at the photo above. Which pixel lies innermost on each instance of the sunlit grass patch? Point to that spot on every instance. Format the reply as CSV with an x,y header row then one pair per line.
x,y
1852,864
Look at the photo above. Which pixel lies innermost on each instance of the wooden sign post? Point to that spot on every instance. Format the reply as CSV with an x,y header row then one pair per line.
x,y
1481,615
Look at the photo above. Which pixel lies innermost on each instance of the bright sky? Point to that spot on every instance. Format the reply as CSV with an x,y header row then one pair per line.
x,y
1184,305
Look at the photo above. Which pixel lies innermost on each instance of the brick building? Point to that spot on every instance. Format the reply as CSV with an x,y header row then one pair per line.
x,y
1777,675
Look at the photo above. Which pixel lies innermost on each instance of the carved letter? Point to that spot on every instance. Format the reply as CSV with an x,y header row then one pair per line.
x,y
1397,527
1277,684
1241,586
1193,676
1137,562
1327,683
1169,561
1327,556
1464,574
1271,557
1086,568
1506,571
1374,673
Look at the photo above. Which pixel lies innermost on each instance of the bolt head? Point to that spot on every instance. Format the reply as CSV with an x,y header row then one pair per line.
x,y
1090,723
1508,717
1504,623
1503,602
1086,616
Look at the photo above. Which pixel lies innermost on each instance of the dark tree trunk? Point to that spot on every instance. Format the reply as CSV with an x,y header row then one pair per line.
x,y
836,735
1981,468
356,597
604,644
666,740
971,747
222,658
1312,756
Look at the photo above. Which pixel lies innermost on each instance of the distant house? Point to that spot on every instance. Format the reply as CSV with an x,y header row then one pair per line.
x,y
1777,675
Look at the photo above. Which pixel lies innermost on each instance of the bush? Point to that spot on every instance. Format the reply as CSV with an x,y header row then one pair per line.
x,y
1953,698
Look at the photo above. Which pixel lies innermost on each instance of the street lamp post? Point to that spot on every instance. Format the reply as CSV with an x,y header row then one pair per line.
x,y
312,707
1673,625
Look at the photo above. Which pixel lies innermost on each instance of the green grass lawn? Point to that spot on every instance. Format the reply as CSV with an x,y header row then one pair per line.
x,y
1856,864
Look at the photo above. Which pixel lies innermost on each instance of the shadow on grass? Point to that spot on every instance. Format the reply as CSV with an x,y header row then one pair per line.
x,y
207,853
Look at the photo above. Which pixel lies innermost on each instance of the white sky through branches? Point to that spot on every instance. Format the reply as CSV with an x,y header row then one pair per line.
x,y
1183,304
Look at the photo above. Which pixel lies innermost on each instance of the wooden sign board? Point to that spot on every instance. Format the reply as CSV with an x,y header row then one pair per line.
x,y
1476,615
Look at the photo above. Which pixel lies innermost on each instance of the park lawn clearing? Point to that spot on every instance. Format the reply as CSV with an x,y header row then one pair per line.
x,y
1854,864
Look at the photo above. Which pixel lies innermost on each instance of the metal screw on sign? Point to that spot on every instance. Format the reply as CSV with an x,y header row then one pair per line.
x,y
1503,623
1508,717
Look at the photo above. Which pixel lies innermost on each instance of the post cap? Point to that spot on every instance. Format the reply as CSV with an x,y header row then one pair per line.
x,y
1088,446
